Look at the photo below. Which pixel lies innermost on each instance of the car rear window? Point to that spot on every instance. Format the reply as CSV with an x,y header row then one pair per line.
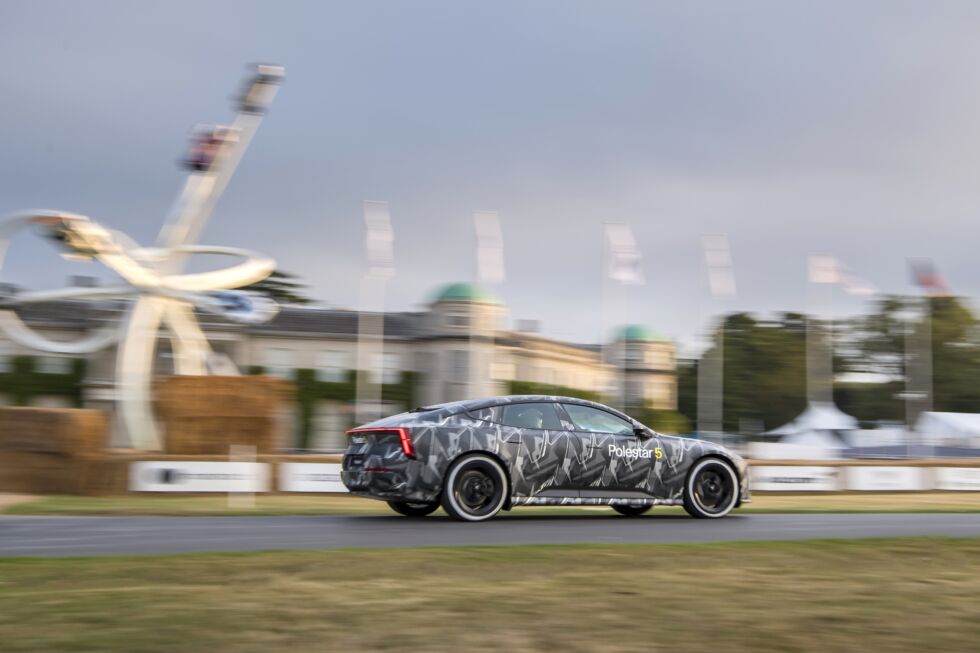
x,y
538,415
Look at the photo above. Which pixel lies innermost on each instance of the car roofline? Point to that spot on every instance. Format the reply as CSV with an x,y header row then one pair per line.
x,y
503,400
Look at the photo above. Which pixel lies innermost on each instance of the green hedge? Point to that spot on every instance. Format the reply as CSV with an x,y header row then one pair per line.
x,y
309,391
24,381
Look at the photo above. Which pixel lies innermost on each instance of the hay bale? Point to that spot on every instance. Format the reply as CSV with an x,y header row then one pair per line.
x,y
205,415
64,431
49,450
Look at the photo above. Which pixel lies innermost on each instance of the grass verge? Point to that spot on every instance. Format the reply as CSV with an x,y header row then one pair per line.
x,y
890,594
345,505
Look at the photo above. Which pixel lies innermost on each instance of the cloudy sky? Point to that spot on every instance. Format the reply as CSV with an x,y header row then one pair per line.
x,y
796,128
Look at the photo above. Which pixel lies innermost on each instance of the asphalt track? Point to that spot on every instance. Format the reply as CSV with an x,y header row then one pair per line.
x,y
71,536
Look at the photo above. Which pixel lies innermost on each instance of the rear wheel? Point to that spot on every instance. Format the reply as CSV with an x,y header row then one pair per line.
x,y
475,489
711,489
631,511
413,509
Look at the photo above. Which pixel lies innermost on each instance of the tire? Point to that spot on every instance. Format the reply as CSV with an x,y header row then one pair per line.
x,y
711,489
475,489
631,511
410,509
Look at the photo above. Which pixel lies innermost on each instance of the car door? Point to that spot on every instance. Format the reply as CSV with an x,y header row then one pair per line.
x,y
538,442
610,460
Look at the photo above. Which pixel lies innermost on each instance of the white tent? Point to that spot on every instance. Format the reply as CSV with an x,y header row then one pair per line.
x,y
819,432
949,429
818,416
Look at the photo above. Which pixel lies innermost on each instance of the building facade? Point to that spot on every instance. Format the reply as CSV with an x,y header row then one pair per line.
x,y
459,347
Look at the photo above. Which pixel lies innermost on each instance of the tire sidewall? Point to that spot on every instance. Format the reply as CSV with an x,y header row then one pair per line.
x,y
691,504
449,503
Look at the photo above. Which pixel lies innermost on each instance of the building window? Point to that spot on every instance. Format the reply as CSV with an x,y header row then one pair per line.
x,y
386,369
331,366
54,365
280,362
6,358
459,366
458,319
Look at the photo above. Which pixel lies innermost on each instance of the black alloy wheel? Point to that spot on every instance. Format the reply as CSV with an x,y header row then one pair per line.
x,y
711,490
476,488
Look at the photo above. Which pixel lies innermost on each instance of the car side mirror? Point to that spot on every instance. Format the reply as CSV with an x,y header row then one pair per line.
x,y
641,432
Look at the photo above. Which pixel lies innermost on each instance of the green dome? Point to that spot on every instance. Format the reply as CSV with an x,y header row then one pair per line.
x,y
465,292
637,333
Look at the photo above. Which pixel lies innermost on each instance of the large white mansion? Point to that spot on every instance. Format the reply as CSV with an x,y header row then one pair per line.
x,y
455,349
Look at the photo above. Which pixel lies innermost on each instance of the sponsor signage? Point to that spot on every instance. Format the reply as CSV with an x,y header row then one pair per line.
x,y
885,479
310,477
778,478
198,476
958,478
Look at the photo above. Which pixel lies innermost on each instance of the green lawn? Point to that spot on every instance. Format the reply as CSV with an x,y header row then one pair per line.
x,y
917,594
345,505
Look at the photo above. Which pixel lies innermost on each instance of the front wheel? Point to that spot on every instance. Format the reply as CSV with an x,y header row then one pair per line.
x,y
413,509
475,488
711,489
631,511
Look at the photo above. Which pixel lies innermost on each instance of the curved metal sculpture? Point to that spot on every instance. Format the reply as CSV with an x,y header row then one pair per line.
x,y
153,279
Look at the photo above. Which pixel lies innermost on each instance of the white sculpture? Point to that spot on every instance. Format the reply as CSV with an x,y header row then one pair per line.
x,y
159,292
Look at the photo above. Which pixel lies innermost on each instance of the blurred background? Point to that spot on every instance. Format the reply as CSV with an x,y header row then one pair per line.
x,y
753,224
749,222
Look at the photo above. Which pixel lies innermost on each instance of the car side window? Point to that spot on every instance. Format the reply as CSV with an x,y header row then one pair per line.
x,y
485,414
539,415
597,421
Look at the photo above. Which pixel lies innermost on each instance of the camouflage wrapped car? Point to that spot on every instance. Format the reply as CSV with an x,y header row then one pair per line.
x,y
477,457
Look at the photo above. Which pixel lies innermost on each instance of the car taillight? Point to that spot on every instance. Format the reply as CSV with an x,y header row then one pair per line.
x,y
403,438
407,447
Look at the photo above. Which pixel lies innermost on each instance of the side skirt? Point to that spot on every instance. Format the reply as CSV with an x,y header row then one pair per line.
x,y
592,501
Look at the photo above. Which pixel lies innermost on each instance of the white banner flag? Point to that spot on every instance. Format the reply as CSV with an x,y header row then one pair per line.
x,y
624,257
824,269
718,258
854,285
489,247
827,269
380,239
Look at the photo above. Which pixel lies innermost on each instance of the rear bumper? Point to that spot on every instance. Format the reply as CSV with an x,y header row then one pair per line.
x,y
392,484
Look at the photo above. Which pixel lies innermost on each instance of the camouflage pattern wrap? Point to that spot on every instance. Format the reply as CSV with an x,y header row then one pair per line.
x,y
558,466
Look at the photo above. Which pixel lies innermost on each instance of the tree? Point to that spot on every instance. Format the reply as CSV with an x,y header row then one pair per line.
x,y
283,287
764,372
765,363
875,343
879,343
955,356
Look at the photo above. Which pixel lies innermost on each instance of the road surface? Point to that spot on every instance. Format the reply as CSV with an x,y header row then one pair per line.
x,y
68,536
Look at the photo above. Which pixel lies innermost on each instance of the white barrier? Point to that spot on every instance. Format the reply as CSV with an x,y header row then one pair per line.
x,y
958,478
310,477
220,476
198,476
777,478
886,479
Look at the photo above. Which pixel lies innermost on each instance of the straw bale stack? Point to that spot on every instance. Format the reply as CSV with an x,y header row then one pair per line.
x,y
205,415
50,450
